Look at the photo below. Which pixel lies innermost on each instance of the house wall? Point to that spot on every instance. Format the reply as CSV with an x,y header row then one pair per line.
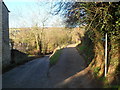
x,y
0,45
5,37
0,37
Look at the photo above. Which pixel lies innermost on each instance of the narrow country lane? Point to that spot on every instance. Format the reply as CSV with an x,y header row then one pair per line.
x,y
29,75
70,63
37,74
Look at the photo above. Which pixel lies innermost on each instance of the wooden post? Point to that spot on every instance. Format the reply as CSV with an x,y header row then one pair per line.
x,y
105,54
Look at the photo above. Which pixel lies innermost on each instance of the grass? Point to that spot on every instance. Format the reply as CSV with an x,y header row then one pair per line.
x,y
81,48
54,58
113,86
96,70
102,78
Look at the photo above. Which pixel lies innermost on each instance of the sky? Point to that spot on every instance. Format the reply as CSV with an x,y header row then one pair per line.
x,y
28,13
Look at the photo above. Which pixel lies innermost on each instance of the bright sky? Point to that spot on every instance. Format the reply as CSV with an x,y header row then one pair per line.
x,y
26,13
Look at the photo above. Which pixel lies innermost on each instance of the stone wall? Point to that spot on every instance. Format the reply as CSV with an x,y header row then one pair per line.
x,y
0,37
5,37
0,45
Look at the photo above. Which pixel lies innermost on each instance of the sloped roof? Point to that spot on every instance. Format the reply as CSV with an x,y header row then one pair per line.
x,y
5,5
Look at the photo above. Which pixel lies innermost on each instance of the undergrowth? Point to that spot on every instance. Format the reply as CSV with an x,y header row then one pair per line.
x,y
86,50
54,58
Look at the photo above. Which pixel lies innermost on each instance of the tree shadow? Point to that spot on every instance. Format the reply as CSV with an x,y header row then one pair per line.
x,y
86,48
83,79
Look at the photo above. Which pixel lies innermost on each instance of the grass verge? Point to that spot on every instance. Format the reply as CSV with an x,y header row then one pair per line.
x,y
86,50
113,86
54,58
